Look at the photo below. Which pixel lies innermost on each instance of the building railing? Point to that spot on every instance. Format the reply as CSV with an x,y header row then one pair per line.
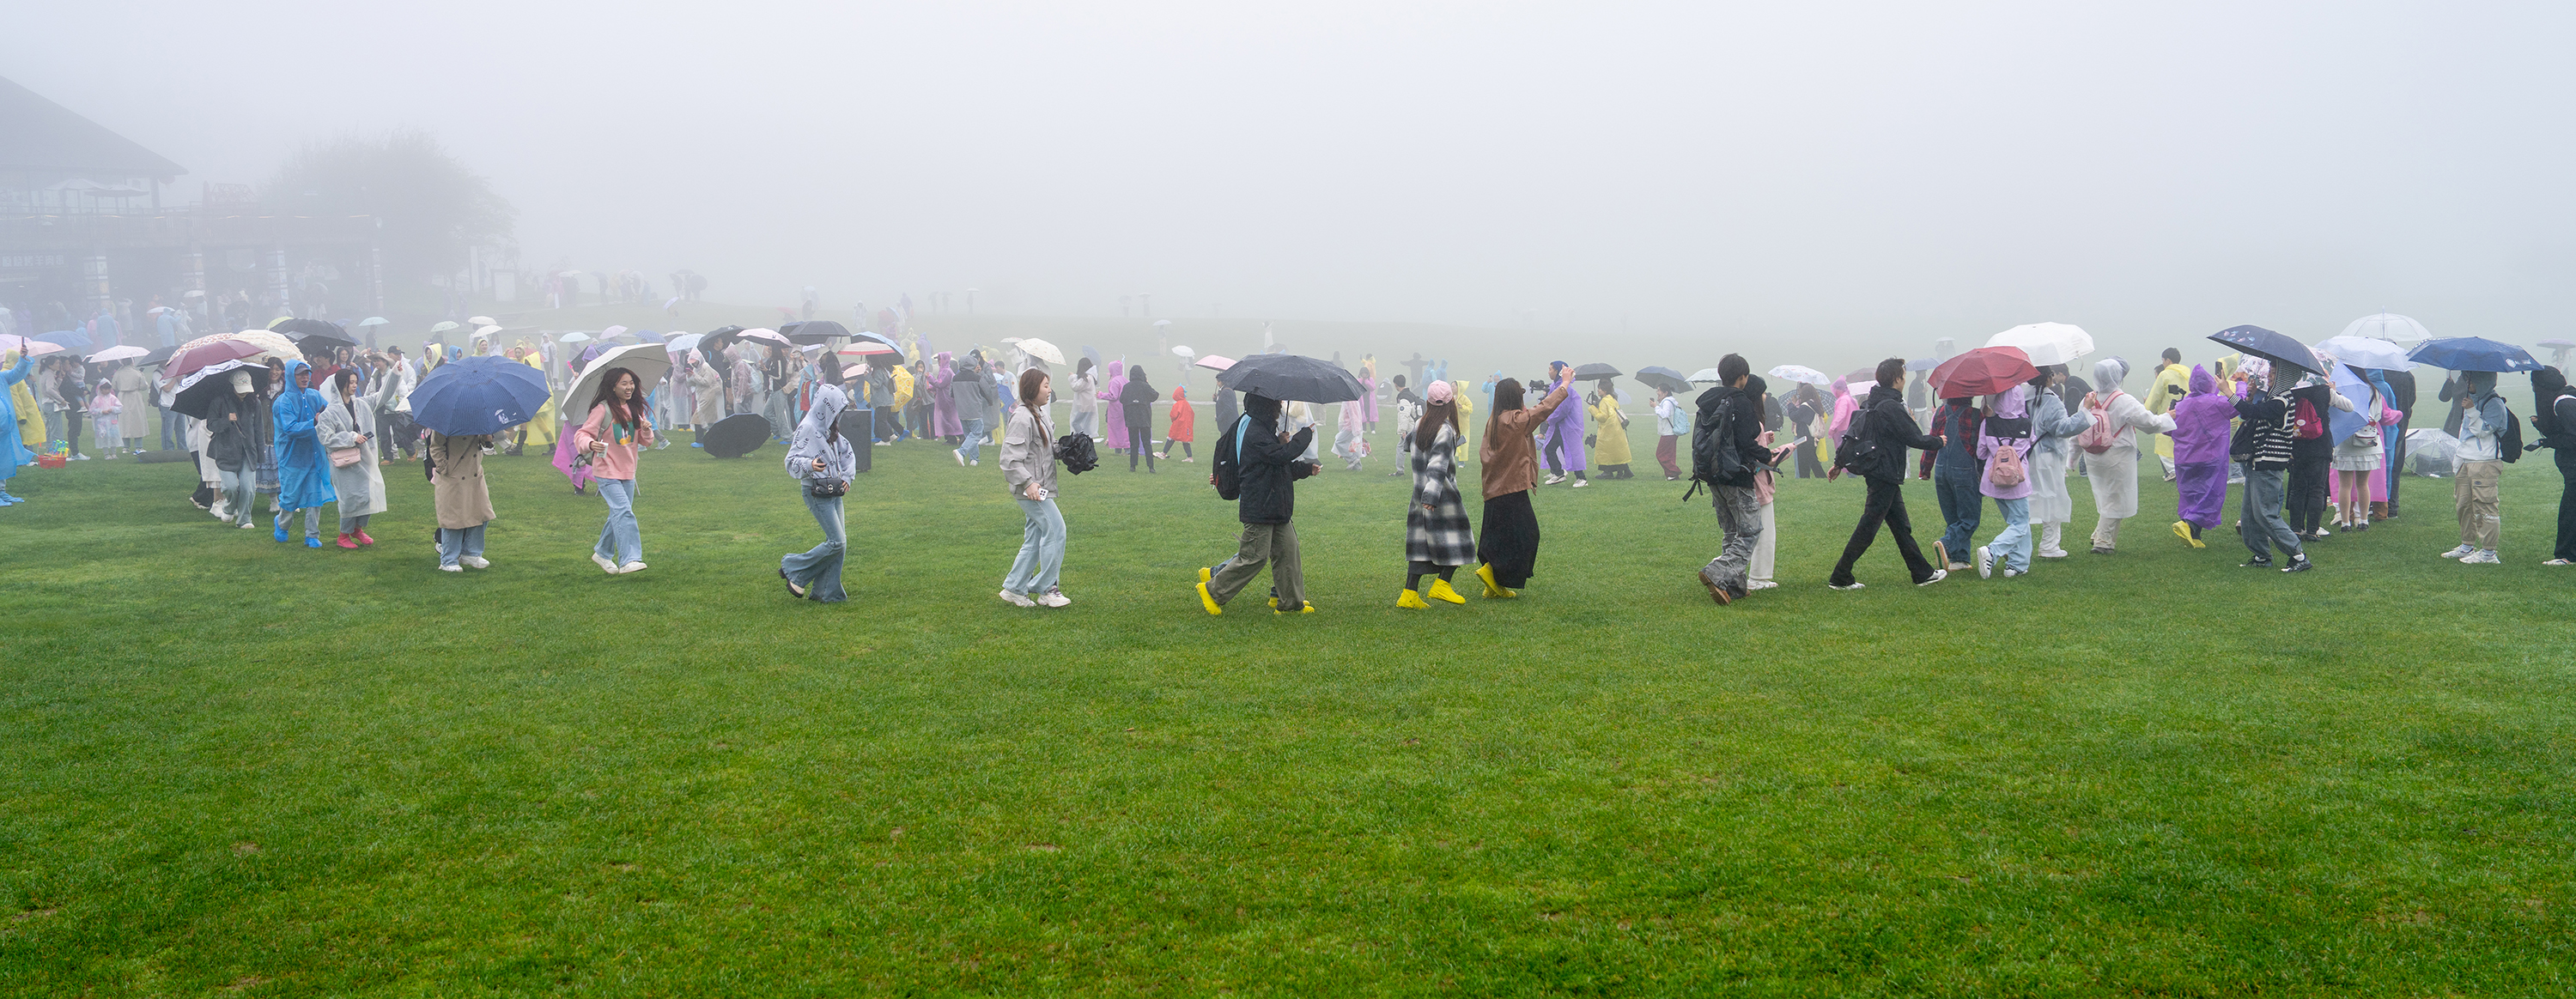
x,y
208,227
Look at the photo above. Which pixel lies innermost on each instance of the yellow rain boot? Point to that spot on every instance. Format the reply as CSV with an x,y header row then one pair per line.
x,y
1485,575
1206,574
2182,529
1308,609
1440,591
1411,601
1209,602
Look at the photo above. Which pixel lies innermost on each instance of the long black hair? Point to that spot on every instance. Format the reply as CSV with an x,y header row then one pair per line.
x,y
1507,398
629,413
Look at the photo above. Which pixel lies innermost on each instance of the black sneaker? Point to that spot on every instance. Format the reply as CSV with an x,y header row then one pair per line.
x,y
2257,562
2300,565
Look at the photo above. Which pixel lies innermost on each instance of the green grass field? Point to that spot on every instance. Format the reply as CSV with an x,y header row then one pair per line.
x,y
239,767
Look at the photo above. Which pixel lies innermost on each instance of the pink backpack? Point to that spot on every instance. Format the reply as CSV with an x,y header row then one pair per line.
x,y
2007,471
2102,434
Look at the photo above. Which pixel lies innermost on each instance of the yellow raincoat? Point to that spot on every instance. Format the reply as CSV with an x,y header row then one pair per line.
x,y
1466,420
2173,381
902,387
541,430
1610,433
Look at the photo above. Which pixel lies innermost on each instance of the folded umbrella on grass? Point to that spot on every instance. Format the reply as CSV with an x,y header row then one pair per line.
x,y
2473,353
735,436
478,395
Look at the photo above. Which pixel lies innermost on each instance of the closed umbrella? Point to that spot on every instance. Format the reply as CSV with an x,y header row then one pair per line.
x,y
1291,378
2270,346
1794,373
1983,371
2472,353
1659,377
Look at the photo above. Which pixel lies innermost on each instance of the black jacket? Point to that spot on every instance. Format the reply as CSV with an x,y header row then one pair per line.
x,y
2321,398
235,440
1892,426
1136,404
1747,429
1269,472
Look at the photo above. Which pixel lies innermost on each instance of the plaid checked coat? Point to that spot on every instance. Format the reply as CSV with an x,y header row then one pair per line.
x,y
1435,528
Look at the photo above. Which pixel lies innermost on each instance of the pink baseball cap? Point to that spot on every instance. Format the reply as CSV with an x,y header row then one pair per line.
x,y
1440,392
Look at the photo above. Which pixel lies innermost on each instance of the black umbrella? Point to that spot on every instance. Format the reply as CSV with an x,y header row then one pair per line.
x,y
198,392
1590,372
157,356
813,331
300,328
1290,378
1659,377
718,338
736,435
2270,346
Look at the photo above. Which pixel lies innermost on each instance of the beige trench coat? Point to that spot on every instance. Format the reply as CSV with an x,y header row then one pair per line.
x,y
457,482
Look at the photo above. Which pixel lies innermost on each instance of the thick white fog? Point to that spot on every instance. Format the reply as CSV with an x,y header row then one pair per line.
x,y
1856,172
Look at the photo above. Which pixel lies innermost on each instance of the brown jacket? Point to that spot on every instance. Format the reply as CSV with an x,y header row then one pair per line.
x,y
1510,456
457,483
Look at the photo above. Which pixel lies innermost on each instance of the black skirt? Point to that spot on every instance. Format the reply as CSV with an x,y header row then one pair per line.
x,y
1509,539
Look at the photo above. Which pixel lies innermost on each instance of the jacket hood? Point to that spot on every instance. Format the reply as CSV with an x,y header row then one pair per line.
x,y
2202,382
1116,368
829,402
2546,383
1842,387
1180,394
2108,373
2013,403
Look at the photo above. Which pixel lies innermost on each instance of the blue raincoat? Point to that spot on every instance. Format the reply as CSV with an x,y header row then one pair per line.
x,y
303,474
13,452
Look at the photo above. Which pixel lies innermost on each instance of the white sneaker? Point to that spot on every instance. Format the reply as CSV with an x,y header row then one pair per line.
x,y
221,513
2053,553
1985,562
1937,576
1552,480
603,563
2558,561
1856,584
1760,584
1017,599
450,568
475,562
958,454
2010,573
1580,483
1053,598
2462,551
2481,557
630,567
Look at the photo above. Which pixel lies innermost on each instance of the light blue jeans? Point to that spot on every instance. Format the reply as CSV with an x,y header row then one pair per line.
x,y
974,446
1041,549
818,569
619,539
239,494
455,543
2012,547
312,521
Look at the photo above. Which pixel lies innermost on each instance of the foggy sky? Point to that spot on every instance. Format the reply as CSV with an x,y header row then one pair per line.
x,y
1860,171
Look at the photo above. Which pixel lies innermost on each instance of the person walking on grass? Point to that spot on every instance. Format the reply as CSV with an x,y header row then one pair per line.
x,y
235,424
1956,479
1766,485
1565,434
2200,434
348,423
615,431
2483,419
1726,447
1184,426
2003,451
2114,470
1670,424
1437,537
304,475
2553,420
2053,431
1136,415
2262,443
1028,468
463,502
1874,447
14,367
1507,544
1266,503
971,392
822,462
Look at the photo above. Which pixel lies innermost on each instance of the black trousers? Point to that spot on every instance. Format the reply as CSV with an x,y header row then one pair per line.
x,y
2566,506
1140,443
1885,505
2397,467
2311,480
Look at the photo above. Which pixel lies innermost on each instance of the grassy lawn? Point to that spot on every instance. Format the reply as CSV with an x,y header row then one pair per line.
x,y
234,764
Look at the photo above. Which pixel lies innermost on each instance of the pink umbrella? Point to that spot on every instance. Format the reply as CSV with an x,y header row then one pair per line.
x,y
1214,362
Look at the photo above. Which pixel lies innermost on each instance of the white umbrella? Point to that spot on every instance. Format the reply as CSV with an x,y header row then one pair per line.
x,y
685,341
116,354
2388,326
1162,322
375,321
1709,375
477,320
764,334
486,332
1041,350
2365,352
2046,343
31,348
648,361
1184,353
573,338
1799,373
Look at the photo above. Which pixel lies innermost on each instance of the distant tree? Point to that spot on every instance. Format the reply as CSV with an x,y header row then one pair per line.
x,y
432,207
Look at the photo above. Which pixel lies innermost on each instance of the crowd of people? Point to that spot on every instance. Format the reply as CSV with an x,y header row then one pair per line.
x,y
316,433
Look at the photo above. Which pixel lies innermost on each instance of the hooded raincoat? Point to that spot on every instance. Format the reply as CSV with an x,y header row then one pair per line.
x,y
1116,415
2114,473
2052,428
1565,433
943,406
13,448
360,487
303,474
2201,425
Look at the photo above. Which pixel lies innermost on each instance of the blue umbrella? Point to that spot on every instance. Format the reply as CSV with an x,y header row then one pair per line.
x,y
478,395
2270,346
2348,383
1923,364
2471,353
69,339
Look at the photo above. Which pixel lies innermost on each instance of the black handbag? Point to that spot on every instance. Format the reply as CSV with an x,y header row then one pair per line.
x,y
828,488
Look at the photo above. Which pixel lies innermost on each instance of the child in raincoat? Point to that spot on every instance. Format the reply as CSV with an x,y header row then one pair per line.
x,y
103,408
1184,425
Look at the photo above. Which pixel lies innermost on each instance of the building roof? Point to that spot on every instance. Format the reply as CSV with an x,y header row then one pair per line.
x,y
43,135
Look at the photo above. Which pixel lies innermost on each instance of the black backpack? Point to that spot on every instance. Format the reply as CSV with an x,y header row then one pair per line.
x,y
1229,460
1858,451
2509,438
1714,454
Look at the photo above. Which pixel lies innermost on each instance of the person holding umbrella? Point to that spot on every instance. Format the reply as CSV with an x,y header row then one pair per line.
x,y
1266,503
616,430
2262,443
2474,491
823,463
1508,543
236,423
304,475
2114,470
